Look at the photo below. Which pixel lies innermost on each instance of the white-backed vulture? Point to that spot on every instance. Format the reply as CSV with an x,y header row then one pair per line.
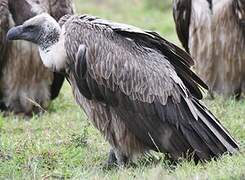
x,y
24,78
212,31
136,87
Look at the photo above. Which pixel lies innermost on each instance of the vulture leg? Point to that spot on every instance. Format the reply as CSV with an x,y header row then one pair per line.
x,y
238,93
116,158
122,159
112,160
2,106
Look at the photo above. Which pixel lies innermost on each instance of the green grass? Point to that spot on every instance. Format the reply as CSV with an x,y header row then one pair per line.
x,y
62,144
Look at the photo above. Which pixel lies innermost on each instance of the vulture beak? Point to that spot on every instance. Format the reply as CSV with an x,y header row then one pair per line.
x,y
15,33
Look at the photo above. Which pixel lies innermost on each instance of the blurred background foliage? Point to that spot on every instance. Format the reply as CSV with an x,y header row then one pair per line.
x,y
159,4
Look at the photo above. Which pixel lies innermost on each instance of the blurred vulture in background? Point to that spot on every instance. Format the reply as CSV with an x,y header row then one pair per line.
x,y
136,87
213,32
23,79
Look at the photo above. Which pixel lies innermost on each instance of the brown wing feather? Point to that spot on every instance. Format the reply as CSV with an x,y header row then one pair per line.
x,y
140,85
182,61
125,30
182,18
146,73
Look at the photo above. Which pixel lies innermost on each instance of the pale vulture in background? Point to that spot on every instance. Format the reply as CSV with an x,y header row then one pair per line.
x,y
136,87
24,81
213,32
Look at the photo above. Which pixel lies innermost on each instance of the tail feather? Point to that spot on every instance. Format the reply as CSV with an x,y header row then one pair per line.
x,y
200,149
216,128
209,139
201,132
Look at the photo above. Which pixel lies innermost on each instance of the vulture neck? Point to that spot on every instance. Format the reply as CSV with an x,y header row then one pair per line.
x,y
53,53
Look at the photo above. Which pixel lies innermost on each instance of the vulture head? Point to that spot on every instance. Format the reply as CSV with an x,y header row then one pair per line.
x,y
42,30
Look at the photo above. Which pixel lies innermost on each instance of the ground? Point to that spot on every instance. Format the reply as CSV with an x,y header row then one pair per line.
x,y
62,144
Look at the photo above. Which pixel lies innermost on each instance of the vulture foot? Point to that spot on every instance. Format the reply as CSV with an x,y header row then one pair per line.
x,y
112,160
116,159
122,159
238,94
3,107
25,115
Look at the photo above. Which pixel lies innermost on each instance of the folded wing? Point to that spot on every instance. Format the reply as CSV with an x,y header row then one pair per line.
x,y
142,78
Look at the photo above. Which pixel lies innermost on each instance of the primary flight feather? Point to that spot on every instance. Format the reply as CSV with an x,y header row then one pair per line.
x,y
136,87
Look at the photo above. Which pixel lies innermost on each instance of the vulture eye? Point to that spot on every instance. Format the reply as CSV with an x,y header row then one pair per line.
x,y
30,28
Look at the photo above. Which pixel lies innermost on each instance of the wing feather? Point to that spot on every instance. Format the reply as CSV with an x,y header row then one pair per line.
x,y
133,75
177,57
182,18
